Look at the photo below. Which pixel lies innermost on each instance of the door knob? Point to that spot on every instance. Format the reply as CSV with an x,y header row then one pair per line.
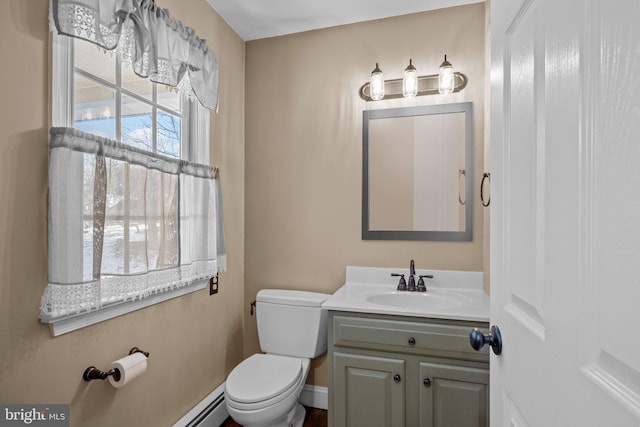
x,y
397,378
493,338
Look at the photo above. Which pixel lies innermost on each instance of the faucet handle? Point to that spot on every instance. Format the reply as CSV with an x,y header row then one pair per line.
x,y
421,286
402,284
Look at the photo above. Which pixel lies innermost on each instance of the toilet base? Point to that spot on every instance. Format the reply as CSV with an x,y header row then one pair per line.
x,y
293,418
298,417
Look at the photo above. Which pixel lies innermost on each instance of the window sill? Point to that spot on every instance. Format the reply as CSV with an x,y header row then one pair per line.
x,y
72,323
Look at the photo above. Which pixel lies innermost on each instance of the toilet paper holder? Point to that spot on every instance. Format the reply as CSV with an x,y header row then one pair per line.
x,y
93,373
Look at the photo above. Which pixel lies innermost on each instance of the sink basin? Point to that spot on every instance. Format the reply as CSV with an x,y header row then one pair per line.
x,y
454,295
419,301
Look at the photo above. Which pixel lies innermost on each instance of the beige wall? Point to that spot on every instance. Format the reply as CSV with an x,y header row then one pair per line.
x,y
194,340
304,149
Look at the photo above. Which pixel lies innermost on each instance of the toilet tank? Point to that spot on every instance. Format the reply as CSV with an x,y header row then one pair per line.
x,y
292,323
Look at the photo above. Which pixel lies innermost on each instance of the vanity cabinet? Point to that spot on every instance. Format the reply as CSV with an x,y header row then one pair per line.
x,y
405,371
371,395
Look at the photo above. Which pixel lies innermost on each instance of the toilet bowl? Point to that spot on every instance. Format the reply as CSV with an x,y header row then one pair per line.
x,y
264,389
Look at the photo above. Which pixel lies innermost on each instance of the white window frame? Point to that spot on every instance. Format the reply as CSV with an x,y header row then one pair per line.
x,y
194,146
195,139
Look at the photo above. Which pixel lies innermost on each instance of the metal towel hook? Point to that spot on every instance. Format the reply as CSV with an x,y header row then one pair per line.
x,y
485,175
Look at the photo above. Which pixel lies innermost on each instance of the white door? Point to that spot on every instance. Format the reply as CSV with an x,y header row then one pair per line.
x,y
565,212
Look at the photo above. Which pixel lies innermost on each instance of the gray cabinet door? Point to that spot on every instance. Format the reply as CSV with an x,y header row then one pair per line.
x,y
453,396
368,391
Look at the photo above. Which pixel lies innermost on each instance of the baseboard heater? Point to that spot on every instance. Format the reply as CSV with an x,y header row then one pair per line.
x,y
210,412
201,419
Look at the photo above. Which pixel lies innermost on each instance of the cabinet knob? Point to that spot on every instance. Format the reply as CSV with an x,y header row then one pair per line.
x,y
412,341
397,378
426,382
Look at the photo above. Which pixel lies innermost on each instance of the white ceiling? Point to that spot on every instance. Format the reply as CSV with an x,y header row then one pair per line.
x,y
257,19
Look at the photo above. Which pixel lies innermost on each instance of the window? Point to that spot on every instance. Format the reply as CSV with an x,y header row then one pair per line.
x,y
153,230
110,100
98,94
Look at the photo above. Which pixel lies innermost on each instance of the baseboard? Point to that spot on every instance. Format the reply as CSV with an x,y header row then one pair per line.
x,y
210,412
315,396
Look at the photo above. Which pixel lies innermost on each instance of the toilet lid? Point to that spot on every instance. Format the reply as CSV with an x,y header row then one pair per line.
x,y
261,377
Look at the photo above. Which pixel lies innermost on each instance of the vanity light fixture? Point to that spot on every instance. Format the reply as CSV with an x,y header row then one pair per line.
x,y
377,84
446,79
410,81
411,85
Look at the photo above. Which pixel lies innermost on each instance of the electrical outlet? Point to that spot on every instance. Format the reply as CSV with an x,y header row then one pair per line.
x,y
213,285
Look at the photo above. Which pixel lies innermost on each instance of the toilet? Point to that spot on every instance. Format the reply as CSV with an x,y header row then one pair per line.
x,y
264,389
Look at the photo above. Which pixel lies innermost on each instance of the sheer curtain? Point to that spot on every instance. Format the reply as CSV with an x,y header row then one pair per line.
x,y
125,224
144,35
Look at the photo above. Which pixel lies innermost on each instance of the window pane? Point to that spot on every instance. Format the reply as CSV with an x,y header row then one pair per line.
x,y
169,134
136,84
137,123
169,98
92,59
94,107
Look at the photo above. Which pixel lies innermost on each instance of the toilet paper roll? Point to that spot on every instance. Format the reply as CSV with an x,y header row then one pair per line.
x,y
130,367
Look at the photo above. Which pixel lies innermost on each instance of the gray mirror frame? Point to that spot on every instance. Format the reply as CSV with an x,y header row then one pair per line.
x,y
458,236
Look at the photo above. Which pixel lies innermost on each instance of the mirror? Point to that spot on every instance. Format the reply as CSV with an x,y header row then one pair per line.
x,y
418,173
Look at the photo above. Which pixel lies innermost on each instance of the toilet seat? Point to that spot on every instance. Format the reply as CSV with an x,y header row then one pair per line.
x,y
263,379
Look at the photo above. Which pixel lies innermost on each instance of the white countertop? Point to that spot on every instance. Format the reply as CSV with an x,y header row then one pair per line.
x,y
464,287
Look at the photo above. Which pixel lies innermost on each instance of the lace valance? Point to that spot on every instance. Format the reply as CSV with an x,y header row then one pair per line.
x,y
144,35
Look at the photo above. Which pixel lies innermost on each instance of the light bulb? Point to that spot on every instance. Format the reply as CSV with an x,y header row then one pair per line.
x,y
410,81
446,79
376,86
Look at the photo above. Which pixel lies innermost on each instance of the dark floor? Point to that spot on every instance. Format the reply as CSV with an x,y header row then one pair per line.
x,y
313,418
